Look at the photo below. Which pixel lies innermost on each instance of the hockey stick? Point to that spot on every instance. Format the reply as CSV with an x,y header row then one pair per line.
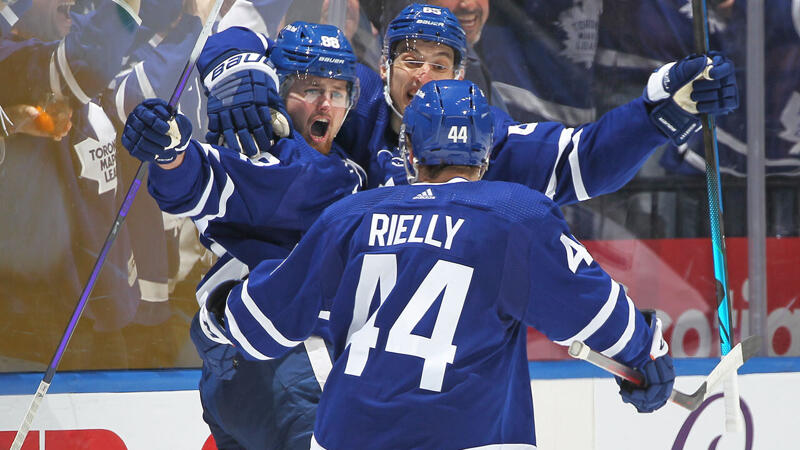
x,y
729,364
112,235
733,416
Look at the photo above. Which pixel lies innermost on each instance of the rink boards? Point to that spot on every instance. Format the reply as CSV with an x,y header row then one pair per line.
x,y
577,407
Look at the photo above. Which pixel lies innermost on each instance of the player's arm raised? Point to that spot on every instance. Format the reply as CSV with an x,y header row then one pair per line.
x,y
214,185
571,164
245,112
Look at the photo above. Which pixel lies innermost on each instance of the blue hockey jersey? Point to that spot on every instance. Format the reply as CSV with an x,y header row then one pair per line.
x,y
427,291
254,209
568,164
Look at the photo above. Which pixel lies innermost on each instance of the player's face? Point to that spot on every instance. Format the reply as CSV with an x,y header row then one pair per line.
x,y
415,63
48,20
472,15
317,107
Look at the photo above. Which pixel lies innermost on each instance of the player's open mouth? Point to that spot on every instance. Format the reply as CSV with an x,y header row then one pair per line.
x,y
319,129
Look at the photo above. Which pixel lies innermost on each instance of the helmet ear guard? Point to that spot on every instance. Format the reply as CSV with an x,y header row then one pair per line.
x,y
410,165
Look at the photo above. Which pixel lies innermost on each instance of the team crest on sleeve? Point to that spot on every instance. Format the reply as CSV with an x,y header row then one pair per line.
x,y
98,157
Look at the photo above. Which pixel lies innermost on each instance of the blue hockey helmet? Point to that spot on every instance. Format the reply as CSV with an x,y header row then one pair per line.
x,y
427,23
303,49
447,122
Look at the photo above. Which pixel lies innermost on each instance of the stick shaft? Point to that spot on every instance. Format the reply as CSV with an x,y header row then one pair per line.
x,y
733,421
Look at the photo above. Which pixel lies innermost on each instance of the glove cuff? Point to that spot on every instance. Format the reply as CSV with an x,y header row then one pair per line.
x,y
238,63
675,122
656,90
658,346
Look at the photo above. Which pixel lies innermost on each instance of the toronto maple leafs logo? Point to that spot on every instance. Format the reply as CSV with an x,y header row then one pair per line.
x,y
98,157
790,119
580,26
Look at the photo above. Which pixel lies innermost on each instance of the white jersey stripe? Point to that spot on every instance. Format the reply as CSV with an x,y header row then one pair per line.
x,y
210,329
144,81
263,320
575,167
203,198
626,335
129,10
599,319
119,100
55,84
319,358
231,270
66,72
9,15
226,194
209,151
563,141
237,334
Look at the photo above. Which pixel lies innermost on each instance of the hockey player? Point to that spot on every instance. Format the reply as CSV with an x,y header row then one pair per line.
x,y
426,292
568,164
251,210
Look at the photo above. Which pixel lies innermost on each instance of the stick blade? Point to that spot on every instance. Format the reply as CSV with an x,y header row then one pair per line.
x,y
750,347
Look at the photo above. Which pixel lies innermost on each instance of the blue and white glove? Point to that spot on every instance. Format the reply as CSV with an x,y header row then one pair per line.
x,y
658,371
245,112
212,312
682,90
152,134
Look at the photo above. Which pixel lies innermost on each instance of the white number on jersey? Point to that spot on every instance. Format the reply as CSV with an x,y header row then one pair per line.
x,y
438,350
330,41
362,336
457,134
575,253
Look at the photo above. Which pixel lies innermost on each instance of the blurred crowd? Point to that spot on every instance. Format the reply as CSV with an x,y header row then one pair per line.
x,y
72,70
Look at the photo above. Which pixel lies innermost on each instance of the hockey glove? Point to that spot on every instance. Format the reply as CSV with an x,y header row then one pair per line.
x,y
245,112
212,312
658,371
152,134
684,89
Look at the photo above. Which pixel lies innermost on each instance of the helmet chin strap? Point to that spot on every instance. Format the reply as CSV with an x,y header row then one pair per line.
x,y
412,173
387,87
